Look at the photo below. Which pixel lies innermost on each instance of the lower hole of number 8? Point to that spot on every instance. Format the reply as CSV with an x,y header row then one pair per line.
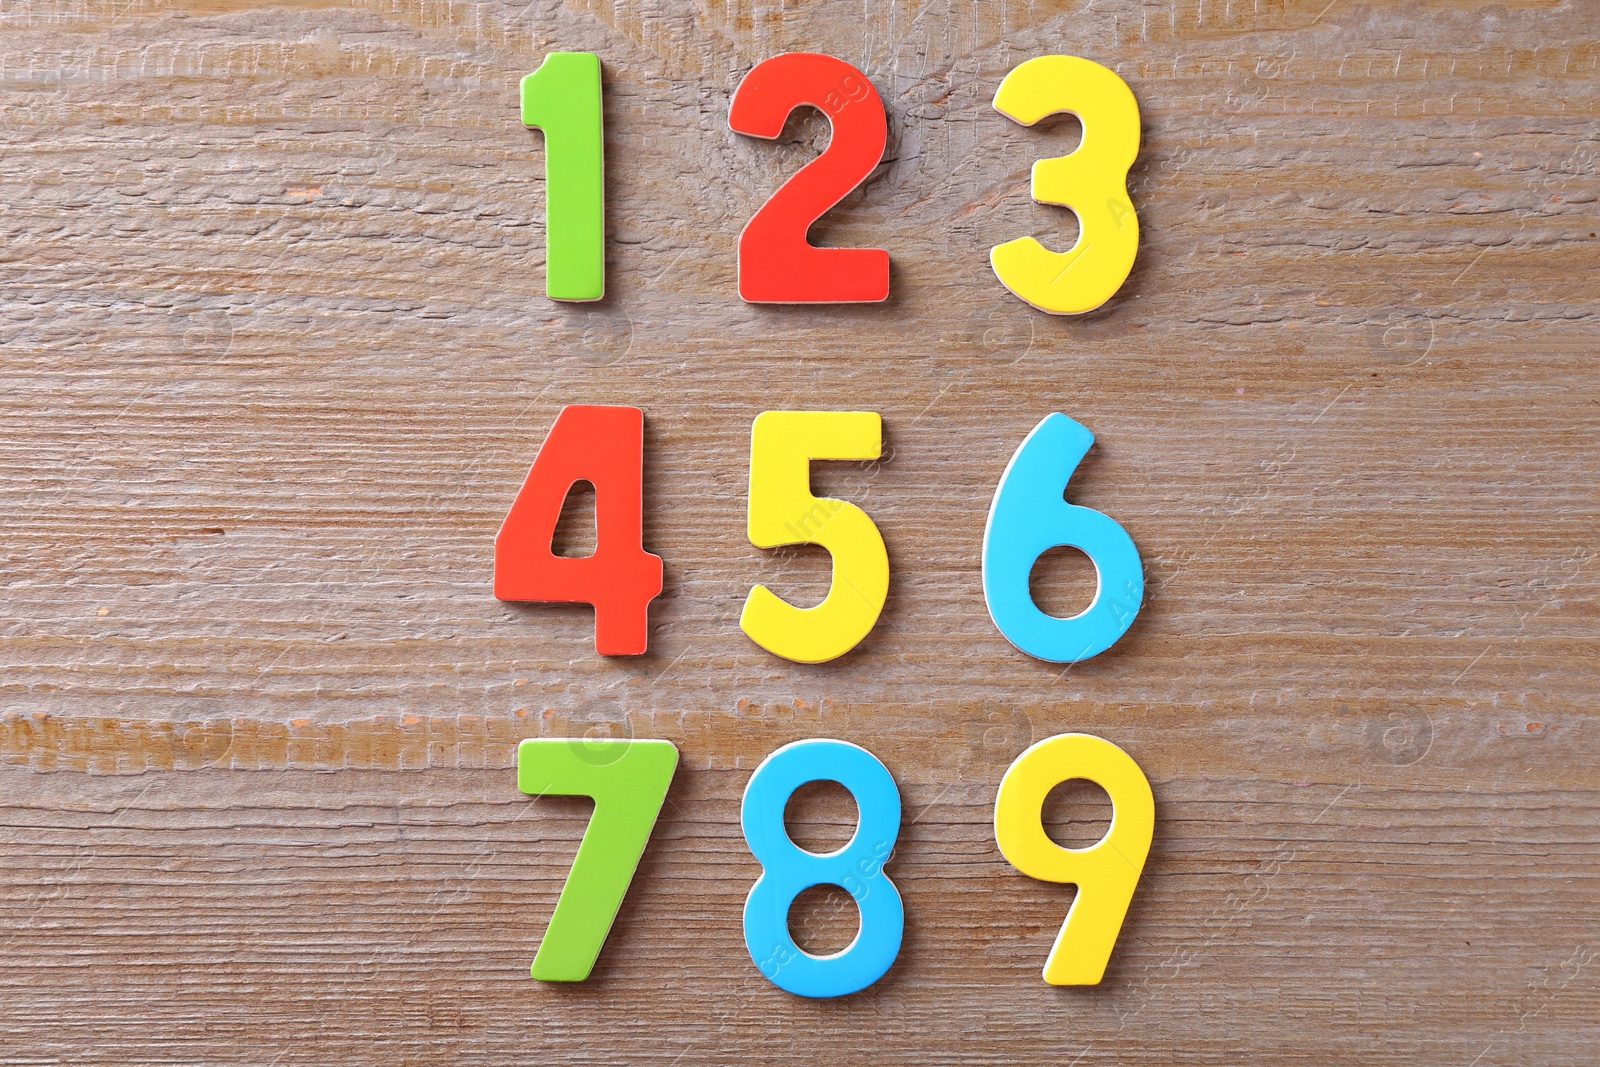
x,y
788,870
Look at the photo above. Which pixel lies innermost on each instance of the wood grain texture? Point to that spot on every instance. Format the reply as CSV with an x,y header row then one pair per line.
x,y
275,358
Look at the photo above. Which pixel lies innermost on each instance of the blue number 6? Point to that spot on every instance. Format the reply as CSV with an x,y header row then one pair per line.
x,y
1029,516
786,869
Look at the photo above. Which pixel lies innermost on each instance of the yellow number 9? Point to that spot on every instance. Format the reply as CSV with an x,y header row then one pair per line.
x,y
1105,872
1092,181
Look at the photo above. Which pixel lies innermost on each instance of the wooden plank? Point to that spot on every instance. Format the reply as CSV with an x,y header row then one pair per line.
x,y
276,357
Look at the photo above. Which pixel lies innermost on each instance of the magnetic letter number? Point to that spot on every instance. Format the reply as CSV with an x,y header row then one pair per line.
x,y
783,512
1105,872
562,98
786,869
777,265
1092,181
605,446
628,781
1028,517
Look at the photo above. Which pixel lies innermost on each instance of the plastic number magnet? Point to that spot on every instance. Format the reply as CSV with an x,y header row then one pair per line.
x,y
782,511
776,262
786,869
604,446
562,98
627,779
1092,181
1028,517
1106,872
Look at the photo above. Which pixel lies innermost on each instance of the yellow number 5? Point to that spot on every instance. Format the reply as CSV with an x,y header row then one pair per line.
x,y
783,512
1092,182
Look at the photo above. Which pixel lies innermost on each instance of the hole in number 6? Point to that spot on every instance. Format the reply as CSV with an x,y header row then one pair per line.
x,y
1105,872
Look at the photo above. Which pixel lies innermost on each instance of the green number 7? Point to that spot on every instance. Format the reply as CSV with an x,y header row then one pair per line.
x,y
628,781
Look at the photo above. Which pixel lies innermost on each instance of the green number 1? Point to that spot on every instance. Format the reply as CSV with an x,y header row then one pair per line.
x,y
562,98
628,781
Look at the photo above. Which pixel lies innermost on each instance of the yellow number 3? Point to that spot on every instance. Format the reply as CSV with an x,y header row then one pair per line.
x,y
1092,182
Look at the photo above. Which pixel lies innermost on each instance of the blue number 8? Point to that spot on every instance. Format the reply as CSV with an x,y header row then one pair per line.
x,y
1028,517
787,869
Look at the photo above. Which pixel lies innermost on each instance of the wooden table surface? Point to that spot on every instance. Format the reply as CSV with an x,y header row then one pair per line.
x,y
276,357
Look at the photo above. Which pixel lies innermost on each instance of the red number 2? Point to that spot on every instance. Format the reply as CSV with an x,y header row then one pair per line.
x,y
777,265
604,446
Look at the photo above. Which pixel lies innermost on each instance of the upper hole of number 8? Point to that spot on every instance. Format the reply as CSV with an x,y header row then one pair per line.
x,y
820,817
1017,213
1063,582
1077,814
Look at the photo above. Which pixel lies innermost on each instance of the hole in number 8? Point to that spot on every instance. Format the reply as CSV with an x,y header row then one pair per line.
x,y
857,868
